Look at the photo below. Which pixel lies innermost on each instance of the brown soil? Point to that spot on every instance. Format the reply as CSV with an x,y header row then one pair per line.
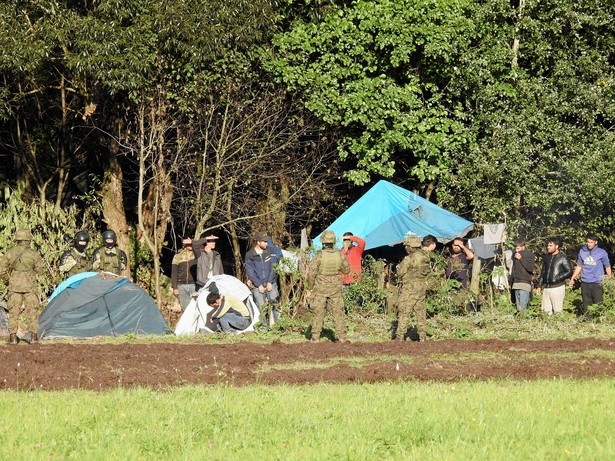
x,y
104,366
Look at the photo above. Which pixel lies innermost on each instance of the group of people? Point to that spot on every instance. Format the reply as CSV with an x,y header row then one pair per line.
x,y
592,266
21,264
330,272
192,267
415,270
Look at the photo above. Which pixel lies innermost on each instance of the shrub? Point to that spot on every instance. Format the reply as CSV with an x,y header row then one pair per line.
x,y
52,229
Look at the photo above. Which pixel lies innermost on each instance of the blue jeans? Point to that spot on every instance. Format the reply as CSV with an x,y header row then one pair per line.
x,y
267,297
230,322
185,294
522,299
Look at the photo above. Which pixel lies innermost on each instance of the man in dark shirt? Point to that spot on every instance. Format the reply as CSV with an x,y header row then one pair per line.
x,y
459,262
556,268
208,260
522,270
183,273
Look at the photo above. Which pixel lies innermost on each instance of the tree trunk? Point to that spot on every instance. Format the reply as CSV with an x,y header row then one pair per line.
x,y
475,282
113,203
515,45
63,168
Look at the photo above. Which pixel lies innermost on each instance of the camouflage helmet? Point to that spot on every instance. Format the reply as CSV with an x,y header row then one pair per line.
x,y
23,234
327,236
413,241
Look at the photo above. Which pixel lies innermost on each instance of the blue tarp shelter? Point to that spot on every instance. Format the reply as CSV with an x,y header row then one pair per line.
x,y
387,213
87,305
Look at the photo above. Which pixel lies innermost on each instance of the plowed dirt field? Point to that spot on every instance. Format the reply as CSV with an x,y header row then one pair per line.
x,y
103,366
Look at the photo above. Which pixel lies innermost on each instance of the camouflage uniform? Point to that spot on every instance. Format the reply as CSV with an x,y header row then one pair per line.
x,y
20,266
413,272
109,260
74,262
324,278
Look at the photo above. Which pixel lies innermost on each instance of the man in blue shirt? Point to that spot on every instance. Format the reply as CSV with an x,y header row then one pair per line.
x,y
262,279
592,263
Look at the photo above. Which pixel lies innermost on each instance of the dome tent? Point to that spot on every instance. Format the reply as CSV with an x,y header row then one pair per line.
x,y
100,304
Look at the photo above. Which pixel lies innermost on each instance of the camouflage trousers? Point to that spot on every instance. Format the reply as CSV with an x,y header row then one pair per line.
x,y
412,300
23,311
335,302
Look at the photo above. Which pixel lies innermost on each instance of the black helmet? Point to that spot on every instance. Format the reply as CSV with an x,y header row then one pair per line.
x,y
109,235
82,239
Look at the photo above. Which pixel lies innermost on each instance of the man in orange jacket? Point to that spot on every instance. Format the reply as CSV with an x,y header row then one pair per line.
x,y
353,250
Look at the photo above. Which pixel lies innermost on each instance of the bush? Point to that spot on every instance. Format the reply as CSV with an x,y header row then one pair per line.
x,y
367,296
52,230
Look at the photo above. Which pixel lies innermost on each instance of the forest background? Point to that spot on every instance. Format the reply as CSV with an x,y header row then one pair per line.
x,y
160,119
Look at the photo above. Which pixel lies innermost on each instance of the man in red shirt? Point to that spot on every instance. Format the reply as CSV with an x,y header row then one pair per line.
x,y
353,250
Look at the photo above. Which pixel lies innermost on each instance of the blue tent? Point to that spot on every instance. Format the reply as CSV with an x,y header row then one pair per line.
x,y
387,213
87,305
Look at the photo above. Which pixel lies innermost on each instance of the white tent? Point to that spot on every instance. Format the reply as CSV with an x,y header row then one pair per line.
x,y
197,316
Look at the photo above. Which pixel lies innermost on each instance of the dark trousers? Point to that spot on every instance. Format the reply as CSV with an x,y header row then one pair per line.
x,y
592,294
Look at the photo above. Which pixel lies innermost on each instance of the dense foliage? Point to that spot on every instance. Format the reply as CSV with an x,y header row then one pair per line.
x,y
190,116
498,106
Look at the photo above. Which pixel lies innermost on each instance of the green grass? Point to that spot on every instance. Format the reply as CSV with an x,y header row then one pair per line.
x,y
558,419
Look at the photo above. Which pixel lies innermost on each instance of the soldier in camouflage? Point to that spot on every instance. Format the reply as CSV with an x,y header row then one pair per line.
x,y
76,260
413,272
324,278
109,258
20,266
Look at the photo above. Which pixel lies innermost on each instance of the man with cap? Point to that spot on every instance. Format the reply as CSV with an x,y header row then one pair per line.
x,y
109,258
324,279
183,273
76,260
19,267
413,272
262,279
208,261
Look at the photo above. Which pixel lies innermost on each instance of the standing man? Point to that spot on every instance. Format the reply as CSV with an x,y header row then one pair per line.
x,y
208,260
183,273
592,263
324,278
76,260
556,268
262,279
523,263
458,268
459,262
109,258
414,271
19,266
353,248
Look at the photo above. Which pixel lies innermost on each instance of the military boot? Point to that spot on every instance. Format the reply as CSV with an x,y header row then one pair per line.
x,y
13,338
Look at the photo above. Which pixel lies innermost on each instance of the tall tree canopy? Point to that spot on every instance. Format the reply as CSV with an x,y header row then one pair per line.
x,y
499,106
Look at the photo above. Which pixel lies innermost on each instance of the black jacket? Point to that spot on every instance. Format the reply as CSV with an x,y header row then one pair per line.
x,y
523,268
555,269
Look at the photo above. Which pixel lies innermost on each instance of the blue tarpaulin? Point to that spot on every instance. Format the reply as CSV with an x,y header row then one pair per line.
x,y
387,213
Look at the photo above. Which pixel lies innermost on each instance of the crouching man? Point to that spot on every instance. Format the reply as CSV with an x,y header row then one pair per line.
x,y
231,313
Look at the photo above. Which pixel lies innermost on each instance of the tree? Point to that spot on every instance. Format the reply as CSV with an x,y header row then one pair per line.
x,y
493,106
377,72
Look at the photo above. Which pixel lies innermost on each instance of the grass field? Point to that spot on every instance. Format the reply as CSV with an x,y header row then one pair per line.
x,y
557,419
